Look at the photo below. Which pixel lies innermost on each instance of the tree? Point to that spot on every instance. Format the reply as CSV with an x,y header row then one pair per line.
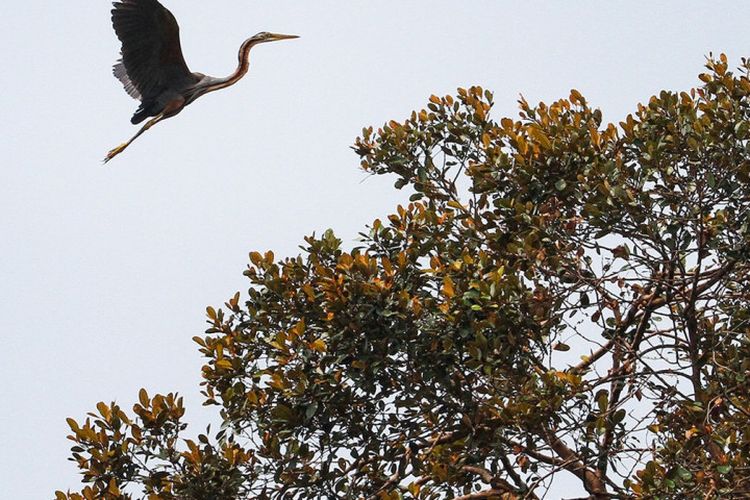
x,y
560,296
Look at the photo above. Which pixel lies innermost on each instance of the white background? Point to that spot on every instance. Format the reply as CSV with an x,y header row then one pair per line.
x,y
105,271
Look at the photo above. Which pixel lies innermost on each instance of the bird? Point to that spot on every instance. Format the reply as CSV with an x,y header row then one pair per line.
x,y
153,70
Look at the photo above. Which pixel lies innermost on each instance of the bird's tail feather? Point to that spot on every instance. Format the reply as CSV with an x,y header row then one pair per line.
x,y
143,112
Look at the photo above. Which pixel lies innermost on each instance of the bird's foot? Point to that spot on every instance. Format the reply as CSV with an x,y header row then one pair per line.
x,y
116,151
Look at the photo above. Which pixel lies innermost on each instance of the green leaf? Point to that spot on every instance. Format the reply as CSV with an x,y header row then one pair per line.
x,y
311,410
619,416
711,180
684,474
724,469
602,400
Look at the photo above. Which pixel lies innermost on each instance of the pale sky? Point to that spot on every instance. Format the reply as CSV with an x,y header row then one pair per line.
x,y
105,271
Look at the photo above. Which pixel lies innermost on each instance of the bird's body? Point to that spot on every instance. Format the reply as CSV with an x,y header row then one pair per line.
x,y
153,69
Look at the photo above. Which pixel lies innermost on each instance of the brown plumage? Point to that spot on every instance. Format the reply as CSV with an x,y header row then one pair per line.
x,y
152,68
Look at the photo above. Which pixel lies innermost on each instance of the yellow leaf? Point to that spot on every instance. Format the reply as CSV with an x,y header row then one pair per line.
x,y
480,112
308,289
416,306
252,397
448,289
540,137
103,410
507,124
576,97
224,364
521,144
73,424
595,138
319,345
112,488
234,301
691,432
299,328
346,261
143,398
414,489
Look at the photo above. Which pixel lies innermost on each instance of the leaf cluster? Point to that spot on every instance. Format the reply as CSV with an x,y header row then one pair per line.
x,y
560,295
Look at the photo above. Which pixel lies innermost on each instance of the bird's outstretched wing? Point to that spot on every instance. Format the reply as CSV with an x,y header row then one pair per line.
x,y
122,74
152,58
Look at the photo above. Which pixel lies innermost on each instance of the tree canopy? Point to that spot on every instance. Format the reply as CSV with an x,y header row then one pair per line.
x,y
560,297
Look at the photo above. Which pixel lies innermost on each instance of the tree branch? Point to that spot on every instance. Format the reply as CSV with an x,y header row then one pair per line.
x,y
573,464
493,493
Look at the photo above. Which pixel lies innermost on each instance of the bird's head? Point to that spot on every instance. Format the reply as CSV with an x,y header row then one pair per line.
x,y
265,36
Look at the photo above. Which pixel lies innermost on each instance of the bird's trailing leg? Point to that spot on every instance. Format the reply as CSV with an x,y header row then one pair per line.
x,y
119,149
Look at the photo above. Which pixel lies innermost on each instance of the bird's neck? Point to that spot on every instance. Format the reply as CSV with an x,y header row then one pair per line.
x,y
242,66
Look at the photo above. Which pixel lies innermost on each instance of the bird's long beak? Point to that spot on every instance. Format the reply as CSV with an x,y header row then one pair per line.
x,y
281,36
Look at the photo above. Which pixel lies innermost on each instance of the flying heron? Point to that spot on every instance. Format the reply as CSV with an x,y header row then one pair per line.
x,y
152,68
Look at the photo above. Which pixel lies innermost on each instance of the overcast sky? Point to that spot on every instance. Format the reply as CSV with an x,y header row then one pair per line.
x,y
105,271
